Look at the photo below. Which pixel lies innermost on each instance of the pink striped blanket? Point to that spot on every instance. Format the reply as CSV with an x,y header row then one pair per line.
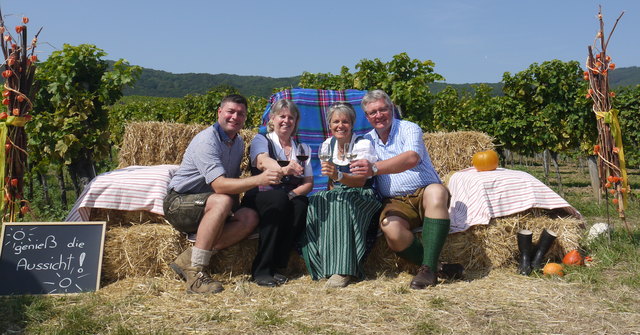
x,y
477,197
133,188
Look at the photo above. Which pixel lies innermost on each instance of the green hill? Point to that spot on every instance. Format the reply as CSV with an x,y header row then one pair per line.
x,y
157,83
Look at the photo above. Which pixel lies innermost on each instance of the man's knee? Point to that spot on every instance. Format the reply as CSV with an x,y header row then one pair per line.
x,y
393,223
221,203
436,196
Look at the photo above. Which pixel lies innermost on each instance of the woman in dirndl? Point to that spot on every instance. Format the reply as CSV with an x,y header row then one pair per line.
x,y
334,243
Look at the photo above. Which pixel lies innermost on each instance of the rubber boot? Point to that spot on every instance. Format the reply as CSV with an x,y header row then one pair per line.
x,y
524,246
544,244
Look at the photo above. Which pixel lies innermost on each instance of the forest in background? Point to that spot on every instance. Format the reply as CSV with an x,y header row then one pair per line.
x,y
156,83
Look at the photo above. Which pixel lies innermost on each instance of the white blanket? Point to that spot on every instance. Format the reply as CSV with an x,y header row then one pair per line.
x,y
477,197
134,188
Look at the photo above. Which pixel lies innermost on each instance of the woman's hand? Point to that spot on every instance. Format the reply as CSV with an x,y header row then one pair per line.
x,y
328,169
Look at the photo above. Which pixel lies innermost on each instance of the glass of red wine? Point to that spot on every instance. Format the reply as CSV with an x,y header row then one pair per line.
x,y
302,153
283,160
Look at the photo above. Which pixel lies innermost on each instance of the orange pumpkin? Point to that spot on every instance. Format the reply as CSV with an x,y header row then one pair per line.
x,y
553,269
573,257
485,160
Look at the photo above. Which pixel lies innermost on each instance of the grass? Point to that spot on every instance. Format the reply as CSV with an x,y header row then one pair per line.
x,y
600,298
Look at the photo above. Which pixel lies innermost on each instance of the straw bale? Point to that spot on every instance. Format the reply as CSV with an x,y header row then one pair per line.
x,y
452,151
116,217
140,250
484,247
146,249
155,143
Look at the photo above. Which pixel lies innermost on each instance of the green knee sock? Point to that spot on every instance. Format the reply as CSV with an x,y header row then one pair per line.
x,y
434,234
413,253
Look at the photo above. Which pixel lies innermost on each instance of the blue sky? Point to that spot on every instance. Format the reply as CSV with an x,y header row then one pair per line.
x,y
469,41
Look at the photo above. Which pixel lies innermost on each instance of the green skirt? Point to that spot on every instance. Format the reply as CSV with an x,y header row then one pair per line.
x,y
334,241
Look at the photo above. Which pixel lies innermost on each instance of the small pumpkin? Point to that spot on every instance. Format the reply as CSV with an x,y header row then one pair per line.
x,y
573,257
553,269
485,160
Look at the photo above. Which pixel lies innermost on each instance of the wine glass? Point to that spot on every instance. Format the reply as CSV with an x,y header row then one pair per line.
x,y
348,152
302,153
325,153
283,162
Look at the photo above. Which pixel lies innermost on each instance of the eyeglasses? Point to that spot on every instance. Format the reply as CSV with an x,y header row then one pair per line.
x,y
373,113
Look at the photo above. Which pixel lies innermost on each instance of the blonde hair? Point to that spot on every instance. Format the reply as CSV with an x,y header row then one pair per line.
x,y
277,108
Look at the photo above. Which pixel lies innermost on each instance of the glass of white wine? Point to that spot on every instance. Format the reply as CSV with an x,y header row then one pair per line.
x,y
348,152
325,152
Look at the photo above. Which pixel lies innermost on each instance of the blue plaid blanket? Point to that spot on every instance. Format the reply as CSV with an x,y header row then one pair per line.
x,y
313,129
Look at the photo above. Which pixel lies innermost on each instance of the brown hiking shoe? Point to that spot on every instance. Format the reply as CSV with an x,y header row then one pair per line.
x,y
424,278
181,263
199,281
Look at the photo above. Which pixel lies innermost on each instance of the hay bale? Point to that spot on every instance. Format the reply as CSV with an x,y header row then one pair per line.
x,y
484,247
452,151
147,249
155,143
140,250
124,218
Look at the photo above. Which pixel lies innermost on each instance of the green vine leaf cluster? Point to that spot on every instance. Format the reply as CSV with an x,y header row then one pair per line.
x,y
71,119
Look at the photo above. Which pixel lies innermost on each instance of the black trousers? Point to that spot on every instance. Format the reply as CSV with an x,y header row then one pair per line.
x,y
281,223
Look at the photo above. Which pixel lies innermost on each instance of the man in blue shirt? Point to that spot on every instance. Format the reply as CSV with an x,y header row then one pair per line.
x,y
203,195
413,193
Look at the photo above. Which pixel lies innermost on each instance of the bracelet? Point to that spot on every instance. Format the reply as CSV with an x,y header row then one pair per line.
x,y
292,195
340,176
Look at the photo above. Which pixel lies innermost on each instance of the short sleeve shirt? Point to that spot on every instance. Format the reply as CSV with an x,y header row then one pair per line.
x,y
210,154
404,136
260,145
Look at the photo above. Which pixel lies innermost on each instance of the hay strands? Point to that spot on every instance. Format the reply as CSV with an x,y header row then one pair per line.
x,y
611,164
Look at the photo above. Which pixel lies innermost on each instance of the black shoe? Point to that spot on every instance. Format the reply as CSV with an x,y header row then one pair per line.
x,y
280,279
424,278
452,271
265,280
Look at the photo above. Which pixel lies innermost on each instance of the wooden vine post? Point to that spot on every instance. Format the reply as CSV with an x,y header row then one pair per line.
x,y
18,71
611,164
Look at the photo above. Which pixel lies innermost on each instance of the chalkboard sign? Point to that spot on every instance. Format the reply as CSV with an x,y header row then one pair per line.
x,y
50,258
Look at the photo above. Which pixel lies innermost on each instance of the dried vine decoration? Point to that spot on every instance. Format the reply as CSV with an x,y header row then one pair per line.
x,y
18,70
611,164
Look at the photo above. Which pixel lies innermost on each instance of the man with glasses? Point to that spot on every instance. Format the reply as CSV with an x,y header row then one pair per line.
x,y
203,195
413,193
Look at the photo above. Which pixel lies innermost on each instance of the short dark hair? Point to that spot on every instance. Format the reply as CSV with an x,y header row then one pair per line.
x,y
235,98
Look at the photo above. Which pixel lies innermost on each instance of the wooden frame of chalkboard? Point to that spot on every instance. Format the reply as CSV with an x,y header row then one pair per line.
x,y
50,257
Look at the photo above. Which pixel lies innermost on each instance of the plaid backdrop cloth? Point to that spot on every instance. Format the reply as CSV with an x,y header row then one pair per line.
x,y
313,130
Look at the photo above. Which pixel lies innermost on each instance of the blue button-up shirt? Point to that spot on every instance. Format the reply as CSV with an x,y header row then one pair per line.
x,y
404,136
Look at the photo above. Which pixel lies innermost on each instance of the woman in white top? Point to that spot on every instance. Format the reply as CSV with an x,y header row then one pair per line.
x,y
334,242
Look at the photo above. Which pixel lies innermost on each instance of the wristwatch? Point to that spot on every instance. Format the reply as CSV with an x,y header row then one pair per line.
x,y
374,168
292,195
340,176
